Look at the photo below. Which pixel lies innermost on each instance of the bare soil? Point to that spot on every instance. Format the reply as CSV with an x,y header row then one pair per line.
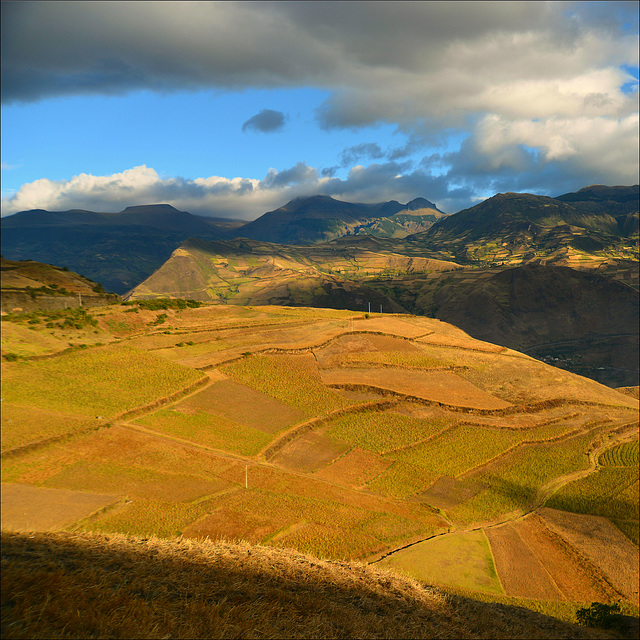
x,y
437,386
243,405
28,508
603,544
337,350
447,492
355,469
521,573
309,452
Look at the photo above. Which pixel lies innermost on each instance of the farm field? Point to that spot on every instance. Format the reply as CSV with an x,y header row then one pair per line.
x,y
329,432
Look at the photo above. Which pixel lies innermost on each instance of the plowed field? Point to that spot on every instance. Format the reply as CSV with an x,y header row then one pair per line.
x,y
603,544
437,386
27,508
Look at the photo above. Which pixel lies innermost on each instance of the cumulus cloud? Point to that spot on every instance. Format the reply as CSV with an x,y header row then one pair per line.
x,y
533,88
266,121
244,198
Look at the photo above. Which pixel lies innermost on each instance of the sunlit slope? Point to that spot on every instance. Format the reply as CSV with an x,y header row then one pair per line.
x,y
251,272
333,433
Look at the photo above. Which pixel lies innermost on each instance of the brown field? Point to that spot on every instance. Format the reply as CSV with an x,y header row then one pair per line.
x,y
339,349
448,492
534,563
520,571
355,469
603,544
309,452
436,386
243,405
393,326
26,508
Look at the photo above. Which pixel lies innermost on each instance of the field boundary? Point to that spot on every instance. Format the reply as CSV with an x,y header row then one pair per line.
x,y
37,444
268,452
136,411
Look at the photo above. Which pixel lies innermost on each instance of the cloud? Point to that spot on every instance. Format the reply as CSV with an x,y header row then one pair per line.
x,y
266,121
531,91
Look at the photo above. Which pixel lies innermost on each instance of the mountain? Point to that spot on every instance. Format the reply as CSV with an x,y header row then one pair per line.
x,y
117,249
249,272
518,227
28,285
310,220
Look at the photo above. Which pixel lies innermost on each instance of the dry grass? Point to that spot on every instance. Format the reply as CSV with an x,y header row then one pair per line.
x,y
95,586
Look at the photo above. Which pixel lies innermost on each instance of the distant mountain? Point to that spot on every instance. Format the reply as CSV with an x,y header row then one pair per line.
x,y
117,249
310,220
518,227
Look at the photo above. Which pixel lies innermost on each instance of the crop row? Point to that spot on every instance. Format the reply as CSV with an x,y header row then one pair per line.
x,y
622,455
102,381
465,447
293,380
611,492
382,432
512,483
208,430
397,358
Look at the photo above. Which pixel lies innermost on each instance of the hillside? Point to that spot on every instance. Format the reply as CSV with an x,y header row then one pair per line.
x,y
187,589
248,272
118,250
390,439
28,285
579,320
310,220
513,228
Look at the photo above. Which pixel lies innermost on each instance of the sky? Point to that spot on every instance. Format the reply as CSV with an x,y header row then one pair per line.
x,y
232,109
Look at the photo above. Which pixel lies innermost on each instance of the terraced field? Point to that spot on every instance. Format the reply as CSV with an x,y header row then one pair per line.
x,y
394,437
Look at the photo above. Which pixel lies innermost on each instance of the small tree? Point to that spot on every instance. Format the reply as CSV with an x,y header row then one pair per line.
x,y
602,616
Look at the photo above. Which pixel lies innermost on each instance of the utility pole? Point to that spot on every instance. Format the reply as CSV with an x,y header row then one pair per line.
x,y
380,308
369,307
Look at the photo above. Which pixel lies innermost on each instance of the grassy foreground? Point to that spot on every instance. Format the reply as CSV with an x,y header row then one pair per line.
x,y
63,585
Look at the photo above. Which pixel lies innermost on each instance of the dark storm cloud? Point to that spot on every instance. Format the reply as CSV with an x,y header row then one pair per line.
x,y
266,121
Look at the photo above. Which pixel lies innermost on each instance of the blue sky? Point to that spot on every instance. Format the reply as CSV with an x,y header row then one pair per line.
x,y
232,109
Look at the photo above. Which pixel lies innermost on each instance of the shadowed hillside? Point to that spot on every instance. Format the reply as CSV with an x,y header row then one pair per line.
x,y
95,586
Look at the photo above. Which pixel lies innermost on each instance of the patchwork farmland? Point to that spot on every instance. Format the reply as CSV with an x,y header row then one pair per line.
x,y
391,439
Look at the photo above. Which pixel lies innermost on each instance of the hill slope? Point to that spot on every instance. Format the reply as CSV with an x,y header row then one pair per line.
x,y
29,285
518,227
95,586
117,249
246,271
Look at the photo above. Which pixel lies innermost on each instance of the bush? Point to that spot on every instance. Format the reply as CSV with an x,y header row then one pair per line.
x,y
603,616
11,357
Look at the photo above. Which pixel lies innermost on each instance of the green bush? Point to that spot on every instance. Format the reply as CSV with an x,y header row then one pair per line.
x,y
602,616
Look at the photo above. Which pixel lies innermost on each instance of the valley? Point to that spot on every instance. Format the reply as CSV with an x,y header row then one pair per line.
x,y
391,439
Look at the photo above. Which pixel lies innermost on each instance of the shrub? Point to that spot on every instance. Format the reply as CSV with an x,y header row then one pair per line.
x,y
603,616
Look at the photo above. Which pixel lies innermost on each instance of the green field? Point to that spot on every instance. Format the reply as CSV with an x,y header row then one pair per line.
x,y
514,481
463,560
464,447
382,432
205,429
293,380
611,492
101,381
